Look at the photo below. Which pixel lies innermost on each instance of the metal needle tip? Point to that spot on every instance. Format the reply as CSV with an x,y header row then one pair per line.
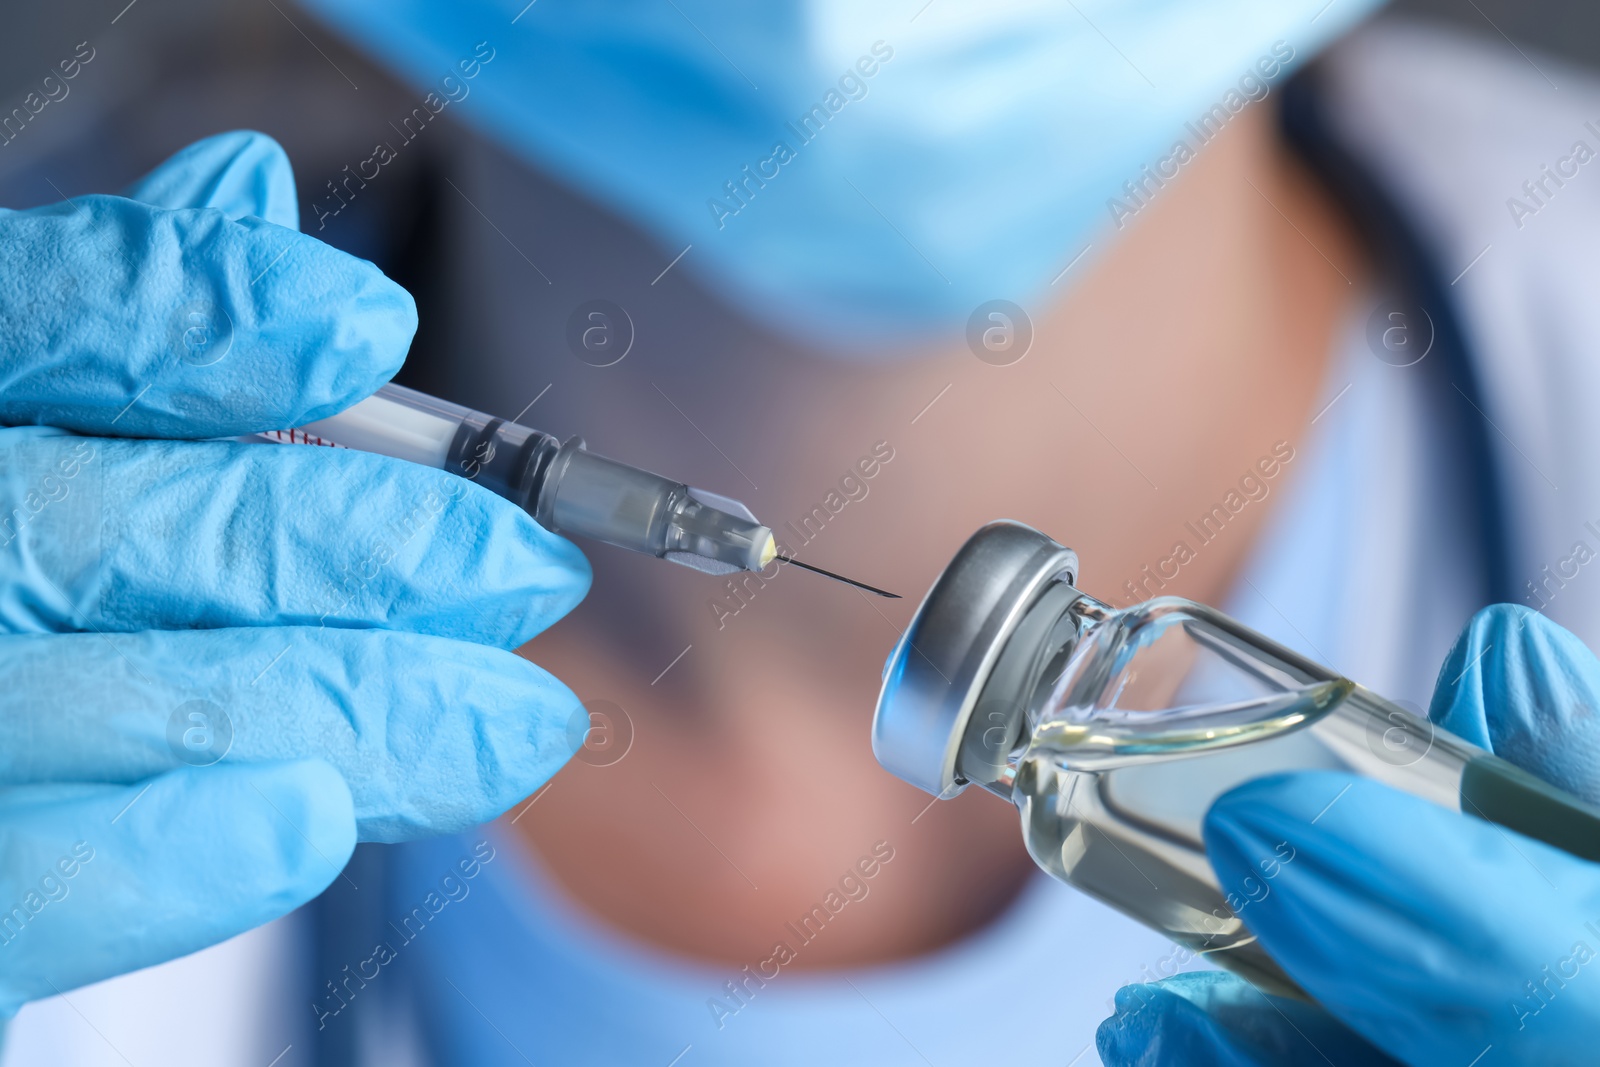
x,y
839,577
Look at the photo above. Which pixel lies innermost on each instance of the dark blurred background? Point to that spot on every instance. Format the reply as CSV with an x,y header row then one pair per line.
x,y
1566,28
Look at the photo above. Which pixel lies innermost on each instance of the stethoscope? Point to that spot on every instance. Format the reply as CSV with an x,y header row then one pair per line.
x,y
346,921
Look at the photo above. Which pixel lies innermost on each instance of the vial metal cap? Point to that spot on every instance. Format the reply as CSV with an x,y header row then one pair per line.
x,y
936,672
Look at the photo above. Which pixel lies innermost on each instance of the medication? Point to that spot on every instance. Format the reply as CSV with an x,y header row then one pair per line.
x,y
1114,730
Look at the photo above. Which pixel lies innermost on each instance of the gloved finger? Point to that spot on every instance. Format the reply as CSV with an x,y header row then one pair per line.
x,y
431,735
109,535
122,318
1212,1019
239,173
99,880
1432,934
1529,691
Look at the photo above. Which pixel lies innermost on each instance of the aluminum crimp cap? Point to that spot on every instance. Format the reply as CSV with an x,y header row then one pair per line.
x,y
935,673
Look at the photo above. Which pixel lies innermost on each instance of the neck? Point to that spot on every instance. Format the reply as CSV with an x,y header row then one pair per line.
x,y
1179,356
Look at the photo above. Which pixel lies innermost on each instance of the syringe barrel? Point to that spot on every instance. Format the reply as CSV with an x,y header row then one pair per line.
x,y
501,456
594,496
565,487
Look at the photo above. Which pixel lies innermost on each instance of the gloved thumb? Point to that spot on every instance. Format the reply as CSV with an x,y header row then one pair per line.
x,y
1529,691
1414,925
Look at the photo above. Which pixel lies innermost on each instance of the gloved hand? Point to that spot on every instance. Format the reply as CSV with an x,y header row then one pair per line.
x,y
225,663
1432,936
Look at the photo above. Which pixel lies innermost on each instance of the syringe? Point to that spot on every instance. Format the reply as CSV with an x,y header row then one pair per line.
x,y
567,488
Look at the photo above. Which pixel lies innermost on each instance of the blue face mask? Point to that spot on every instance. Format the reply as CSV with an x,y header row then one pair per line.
x,y
861,174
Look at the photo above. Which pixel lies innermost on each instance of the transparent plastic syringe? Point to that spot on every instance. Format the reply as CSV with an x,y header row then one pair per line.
x,y
568,489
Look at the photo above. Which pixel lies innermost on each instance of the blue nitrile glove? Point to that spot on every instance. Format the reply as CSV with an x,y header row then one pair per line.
x,y
1433,936
225,663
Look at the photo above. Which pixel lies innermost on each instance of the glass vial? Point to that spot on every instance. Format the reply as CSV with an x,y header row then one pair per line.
x,y
1114,730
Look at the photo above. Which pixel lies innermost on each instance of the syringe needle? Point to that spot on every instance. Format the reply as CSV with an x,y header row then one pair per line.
x,y
839,578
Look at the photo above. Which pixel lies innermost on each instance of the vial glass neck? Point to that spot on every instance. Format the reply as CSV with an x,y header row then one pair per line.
x,y
1019,687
